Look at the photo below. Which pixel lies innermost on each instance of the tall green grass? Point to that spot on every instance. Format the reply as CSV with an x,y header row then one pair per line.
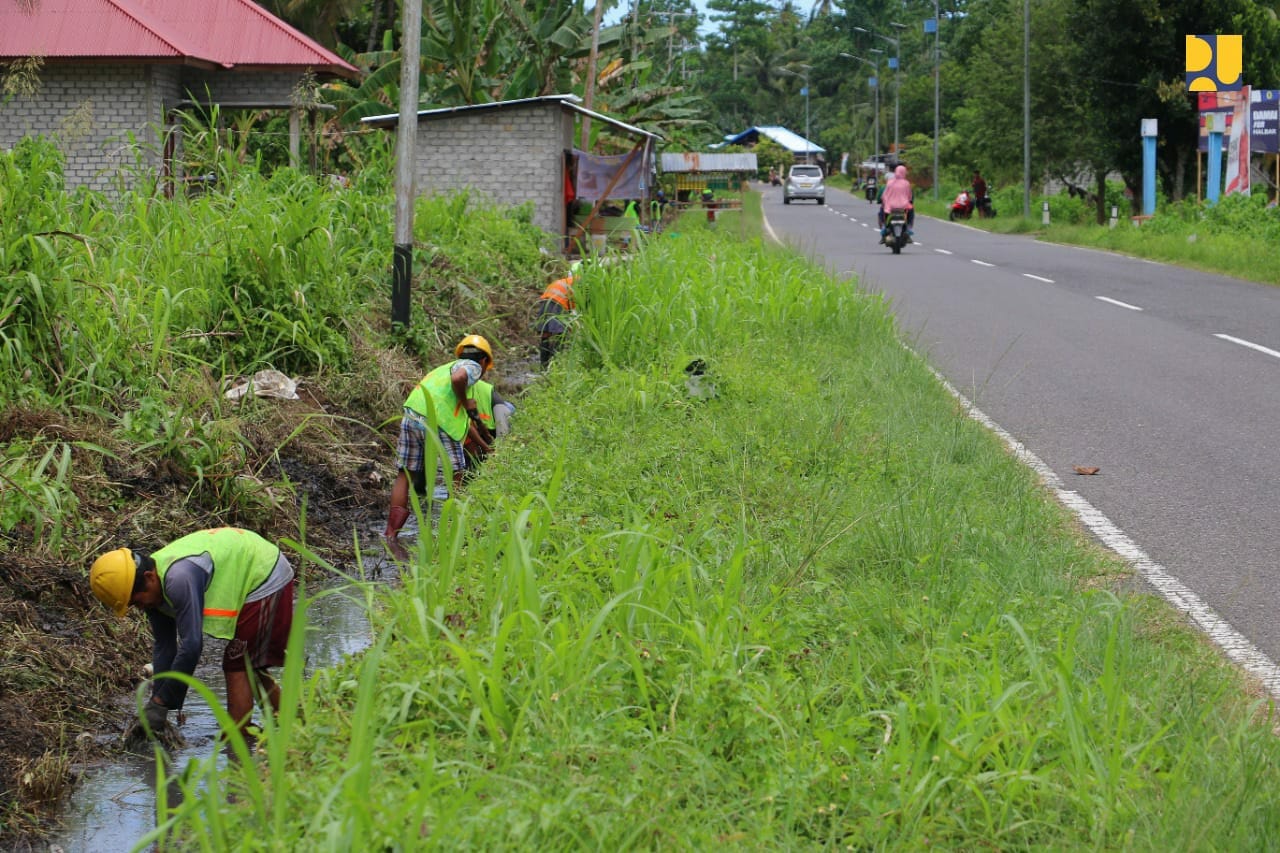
x,y
101,296
821,609
127,315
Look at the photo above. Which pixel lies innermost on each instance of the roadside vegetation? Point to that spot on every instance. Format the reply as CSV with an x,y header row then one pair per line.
x,y
821,607
122,325
1238,236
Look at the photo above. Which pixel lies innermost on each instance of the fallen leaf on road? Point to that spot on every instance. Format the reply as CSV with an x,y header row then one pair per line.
x,y
1086,469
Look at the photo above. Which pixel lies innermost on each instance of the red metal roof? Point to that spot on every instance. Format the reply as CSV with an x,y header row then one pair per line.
x,y
227,33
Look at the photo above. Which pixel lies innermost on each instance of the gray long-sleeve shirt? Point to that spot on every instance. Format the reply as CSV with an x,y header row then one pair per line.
x,y
177,625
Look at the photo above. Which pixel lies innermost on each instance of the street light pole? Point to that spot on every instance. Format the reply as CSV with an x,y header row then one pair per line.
x,y
1026,108
895,63
897,84
877,81
937,61
807,137
808,146
876,124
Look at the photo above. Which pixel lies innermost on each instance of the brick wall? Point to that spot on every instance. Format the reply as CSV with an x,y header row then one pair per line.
x,y
507,155
108,118
258,87
105,118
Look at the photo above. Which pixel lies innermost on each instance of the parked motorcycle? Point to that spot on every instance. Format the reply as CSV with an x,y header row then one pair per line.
x,y
895,234
985,210
962,207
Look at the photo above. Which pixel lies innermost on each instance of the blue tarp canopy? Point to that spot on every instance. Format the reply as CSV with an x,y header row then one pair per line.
x,y
793,142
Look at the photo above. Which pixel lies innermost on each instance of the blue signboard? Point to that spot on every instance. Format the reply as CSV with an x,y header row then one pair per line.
x,y
1264,118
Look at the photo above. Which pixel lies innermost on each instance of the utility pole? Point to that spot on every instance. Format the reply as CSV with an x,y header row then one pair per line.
x,y
590,89
406,134
1026,108
937,90
669,16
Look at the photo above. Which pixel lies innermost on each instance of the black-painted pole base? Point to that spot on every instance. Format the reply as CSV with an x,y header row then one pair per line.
x,y
401,277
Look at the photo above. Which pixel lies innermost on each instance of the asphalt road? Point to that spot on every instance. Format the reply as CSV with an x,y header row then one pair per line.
x,y
1165,379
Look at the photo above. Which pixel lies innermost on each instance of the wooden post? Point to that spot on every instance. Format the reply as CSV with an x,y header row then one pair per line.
x,y
295,137
406,134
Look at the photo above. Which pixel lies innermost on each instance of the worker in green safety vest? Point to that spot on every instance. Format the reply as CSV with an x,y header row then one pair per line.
x,y
440,401
225,582
494,420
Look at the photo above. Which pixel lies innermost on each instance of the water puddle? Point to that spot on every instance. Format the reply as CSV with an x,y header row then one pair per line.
x,y
114,803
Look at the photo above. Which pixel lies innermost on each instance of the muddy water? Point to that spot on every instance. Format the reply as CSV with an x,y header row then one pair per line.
x,y
114,804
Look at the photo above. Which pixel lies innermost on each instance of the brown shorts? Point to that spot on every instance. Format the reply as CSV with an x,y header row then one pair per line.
x,y
262,633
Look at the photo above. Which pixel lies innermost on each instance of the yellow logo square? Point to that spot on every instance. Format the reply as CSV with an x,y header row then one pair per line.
x,y
1215,63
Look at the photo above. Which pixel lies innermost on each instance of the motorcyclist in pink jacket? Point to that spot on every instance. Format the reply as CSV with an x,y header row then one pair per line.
x,y
897,192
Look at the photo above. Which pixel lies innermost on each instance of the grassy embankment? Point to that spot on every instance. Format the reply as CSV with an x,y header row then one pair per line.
x,y
823,608
121,324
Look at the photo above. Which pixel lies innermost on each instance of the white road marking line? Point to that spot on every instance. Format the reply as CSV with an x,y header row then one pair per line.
x,y
1118,302
1038,278
1235,645
980,263
1242,342
944,252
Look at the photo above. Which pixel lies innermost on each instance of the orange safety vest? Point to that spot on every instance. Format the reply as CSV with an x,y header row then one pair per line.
x,y
560,292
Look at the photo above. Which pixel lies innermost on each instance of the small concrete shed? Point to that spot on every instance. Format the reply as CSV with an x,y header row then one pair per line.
x,y
512,152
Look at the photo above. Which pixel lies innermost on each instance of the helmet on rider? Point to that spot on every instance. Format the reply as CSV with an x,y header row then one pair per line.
x,y
112,576
473,346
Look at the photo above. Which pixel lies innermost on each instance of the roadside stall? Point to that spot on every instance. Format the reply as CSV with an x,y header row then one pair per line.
x,y
691,174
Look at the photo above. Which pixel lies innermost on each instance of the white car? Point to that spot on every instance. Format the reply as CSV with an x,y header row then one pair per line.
x,y
804,181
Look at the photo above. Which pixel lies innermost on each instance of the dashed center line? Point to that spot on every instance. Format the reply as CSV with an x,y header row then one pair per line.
x,y
980,263
1038,278
1250,344
1118,302
944,252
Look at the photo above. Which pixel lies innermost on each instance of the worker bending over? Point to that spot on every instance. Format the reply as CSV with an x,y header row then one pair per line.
x,y
225,582
444,394
555,303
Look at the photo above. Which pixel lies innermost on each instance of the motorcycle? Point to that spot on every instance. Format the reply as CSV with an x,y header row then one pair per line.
x,y
985,210
870,189
962,207
895,234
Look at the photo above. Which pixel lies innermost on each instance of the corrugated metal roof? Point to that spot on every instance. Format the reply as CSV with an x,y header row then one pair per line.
x,y
226,33
695,161
570,102
793,142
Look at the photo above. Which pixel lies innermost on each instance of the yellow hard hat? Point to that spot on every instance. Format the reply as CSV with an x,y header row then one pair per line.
x,y
474,341
111,579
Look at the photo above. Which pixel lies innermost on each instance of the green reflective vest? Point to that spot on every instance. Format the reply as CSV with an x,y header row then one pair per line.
x,y
482,393
450,414
242,560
